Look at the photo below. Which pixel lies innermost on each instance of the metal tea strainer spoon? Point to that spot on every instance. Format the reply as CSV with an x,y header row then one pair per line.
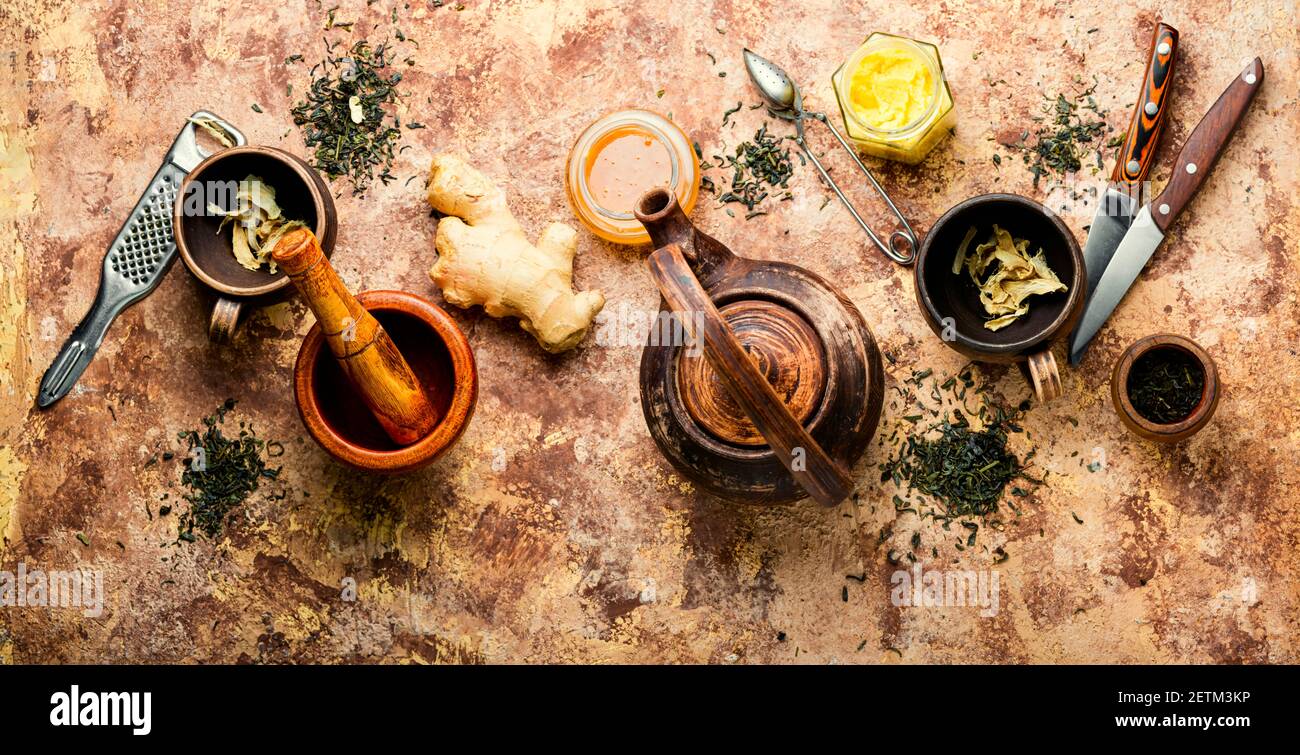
x,y
784,101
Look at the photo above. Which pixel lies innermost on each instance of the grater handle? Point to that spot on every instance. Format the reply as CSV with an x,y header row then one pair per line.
x,y
79,349
114,295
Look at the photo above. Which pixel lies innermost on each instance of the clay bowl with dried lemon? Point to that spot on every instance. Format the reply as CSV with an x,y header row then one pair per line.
x,y
950,302
299,191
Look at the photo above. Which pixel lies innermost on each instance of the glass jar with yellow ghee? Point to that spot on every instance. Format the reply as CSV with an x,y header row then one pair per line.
x,y
620,157
894,98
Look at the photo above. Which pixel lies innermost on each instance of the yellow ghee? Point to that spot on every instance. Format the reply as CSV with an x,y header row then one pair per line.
x,y
892,87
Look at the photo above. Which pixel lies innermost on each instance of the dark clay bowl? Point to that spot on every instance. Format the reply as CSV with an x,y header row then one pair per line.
x,y
301,194
1174,431
437,351
951,304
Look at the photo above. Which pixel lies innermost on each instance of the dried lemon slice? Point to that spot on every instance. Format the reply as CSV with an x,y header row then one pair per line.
x,y
1015,277
258,222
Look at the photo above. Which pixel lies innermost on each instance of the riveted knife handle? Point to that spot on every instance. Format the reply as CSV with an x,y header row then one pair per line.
x,y
1202,149
1137,153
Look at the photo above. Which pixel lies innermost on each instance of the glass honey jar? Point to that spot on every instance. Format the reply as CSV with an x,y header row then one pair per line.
x,y
894,98
620,157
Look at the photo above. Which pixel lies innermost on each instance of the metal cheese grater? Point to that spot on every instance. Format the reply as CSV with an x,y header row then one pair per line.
x,y
135,263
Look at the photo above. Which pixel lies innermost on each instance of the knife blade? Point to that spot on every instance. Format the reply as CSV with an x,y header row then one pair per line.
x,y
1199,154
1120,201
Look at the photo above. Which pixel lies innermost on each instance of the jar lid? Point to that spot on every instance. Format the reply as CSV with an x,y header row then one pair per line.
x,y
607,169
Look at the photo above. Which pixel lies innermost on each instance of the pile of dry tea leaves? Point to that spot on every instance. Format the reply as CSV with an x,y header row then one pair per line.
x,y
1166,385
345,114
956,456
760,168
1065,136
221,472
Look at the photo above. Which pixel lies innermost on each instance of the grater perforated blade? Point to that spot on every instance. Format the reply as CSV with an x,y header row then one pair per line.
x,y
136,261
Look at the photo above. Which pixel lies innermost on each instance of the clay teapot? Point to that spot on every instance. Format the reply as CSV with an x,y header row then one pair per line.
x,y
774,388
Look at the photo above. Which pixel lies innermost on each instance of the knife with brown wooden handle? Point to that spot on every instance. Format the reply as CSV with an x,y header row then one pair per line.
x,y
1198,155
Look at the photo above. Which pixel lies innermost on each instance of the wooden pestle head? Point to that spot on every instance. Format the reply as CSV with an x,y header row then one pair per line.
x,y
382,377
297,250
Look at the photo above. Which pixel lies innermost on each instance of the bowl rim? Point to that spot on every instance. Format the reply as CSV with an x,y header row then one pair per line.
x,y
1074,300
1185,427
320,201
449,428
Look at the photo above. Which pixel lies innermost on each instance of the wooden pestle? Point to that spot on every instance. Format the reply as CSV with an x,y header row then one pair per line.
x,y
363,349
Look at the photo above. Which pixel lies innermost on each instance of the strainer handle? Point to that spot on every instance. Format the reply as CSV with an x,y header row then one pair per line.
x,y
814,469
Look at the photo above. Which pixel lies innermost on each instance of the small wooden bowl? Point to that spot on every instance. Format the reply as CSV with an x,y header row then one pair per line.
x,y
437,351
301,194
1145,428
951,303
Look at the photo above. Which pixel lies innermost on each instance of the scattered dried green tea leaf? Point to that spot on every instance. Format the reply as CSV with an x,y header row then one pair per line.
x,y
220,473
1064,137
966,467
759,169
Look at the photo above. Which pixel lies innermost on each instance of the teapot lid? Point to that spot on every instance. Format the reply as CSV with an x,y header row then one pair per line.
x,y
787,351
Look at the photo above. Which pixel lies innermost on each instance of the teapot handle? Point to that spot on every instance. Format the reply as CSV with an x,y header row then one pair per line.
x,y
823,479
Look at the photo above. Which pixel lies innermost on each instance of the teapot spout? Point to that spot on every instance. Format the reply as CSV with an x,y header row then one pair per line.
x,y
664,220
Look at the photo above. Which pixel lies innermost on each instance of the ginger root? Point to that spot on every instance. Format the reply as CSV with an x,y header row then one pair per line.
x,y
484,258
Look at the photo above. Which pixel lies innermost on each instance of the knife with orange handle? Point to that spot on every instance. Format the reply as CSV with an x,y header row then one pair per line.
x,y
1195,160
1119,203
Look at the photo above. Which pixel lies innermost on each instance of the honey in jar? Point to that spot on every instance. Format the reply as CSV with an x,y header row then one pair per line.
x,y
620,157
894,98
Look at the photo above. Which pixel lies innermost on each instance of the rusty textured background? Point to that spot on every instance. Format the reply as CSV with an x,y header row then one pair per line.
x,y
554,532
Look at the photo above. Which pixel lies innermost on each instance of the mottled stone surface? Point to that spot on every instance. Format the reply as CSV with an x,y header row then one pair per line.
x,y
554,531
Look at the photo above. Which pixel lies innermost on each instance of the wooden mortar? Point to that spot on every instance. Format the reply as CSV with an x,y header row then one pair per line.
x,y
1175,431
376,369
438,353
